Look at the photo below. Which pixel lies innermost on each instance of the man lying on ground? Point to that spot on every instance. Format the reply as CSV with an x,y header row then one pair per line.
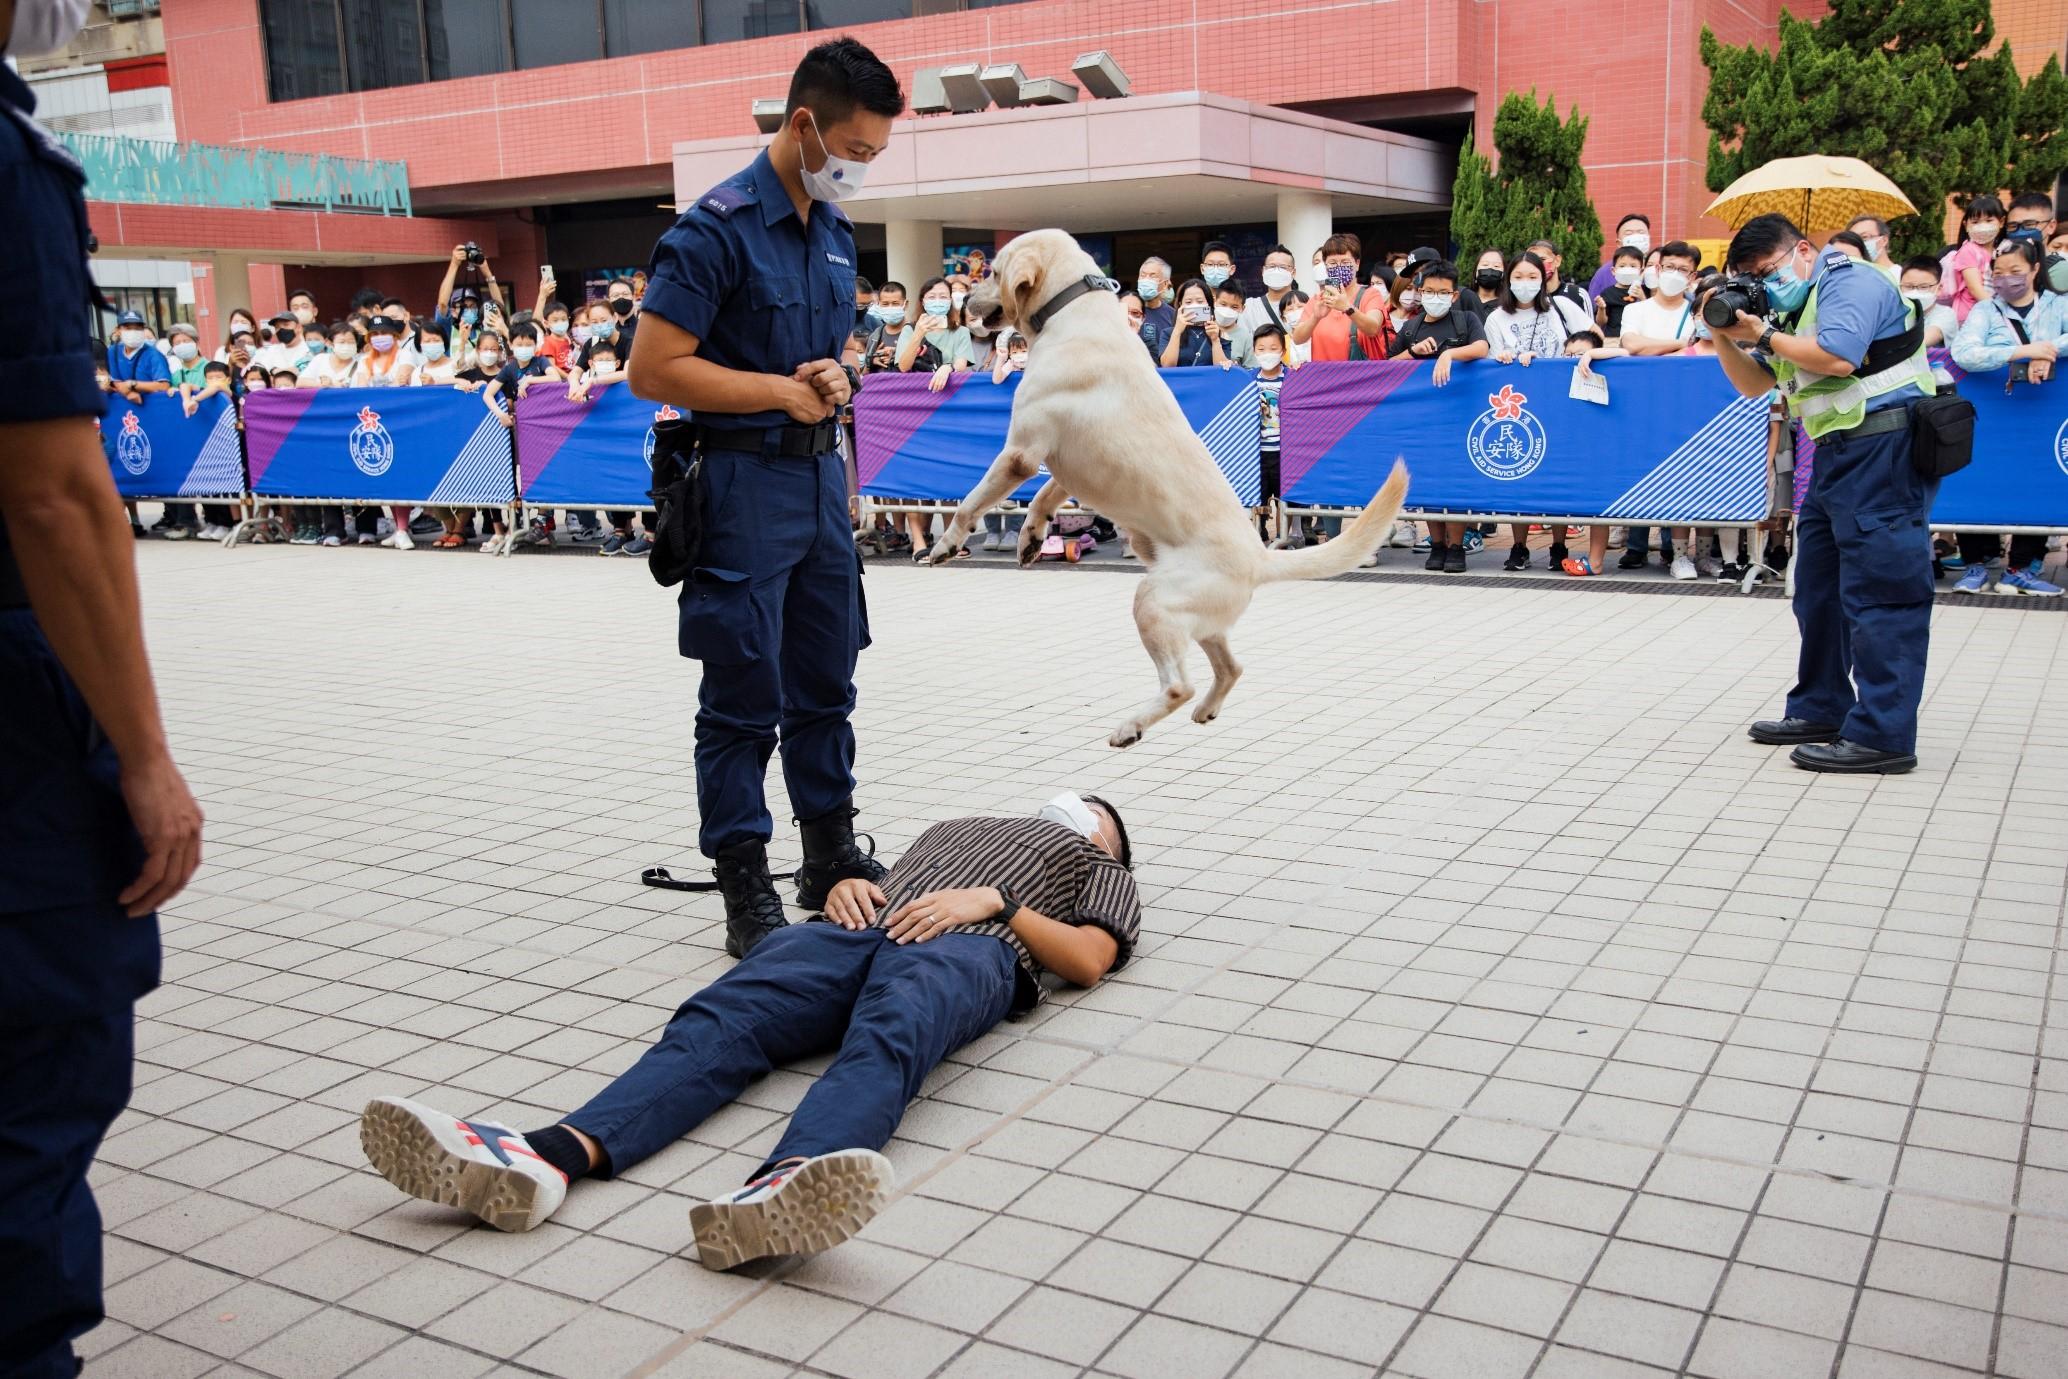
x,y
894,978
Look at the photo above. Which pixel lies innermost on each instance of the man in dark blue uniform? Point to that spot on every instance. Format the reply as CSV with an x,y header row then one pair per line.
x,y
97,829
749,299
1847,354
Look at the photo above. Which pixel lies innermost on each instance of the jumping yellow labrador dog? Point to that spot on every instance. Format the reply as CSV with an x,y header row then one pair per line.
x,y
1092,408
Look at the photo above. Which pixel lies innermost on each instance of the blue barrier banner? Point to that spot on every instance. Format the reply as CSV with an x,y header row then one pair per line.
x,y
914,443
378,445
2020,474
597,453
1675,441
156,450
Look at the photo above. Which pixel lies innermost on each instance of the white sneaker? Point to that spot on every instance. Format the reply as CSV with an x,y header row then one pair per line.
x,y
800,1209
1683,568
400,540
1403,537
474,1165
492,546
1708,567
214,532
365,538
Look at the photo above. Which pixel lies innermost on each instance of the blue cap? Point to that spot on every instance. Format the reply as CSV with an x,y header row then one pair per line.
x,y
130,318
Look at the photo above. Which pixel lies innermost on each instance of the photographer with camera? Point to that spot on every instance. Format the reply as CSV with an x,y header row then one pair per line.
x,y
1846,350
480,283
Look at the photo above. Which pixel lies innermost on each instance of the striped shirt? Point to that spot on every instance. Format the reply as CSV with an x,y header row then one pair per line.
x,y
1050,869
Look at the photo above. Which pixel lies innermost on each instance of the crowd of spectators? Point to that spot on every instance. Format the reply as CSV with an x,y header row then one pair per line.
x,y
1999,296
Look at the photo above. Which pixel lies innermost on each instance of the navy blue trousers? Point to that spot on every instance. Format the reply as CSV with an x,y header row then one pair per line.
x,y
1863,591
892,1011
776,615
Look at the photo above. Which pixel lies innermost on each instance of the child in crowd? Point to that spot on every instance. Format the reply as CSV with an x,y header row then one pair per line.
x,y
1966,278
1585,347
1627,286
1267,346
1237,342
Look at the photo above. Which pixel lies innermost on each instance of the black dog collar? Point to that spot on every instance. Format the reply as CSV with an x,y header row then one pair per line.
x,y
1090,282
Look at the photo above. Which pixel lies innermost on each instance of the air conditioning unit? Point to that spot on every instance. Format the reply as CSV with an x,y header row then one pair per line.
x,y
1002,80
1047,91
126,9
928,96
1101,75
966,93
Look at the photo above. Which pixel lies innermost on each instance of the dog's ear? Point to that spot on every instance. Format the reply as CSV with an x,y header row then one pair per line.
x,y
1022,277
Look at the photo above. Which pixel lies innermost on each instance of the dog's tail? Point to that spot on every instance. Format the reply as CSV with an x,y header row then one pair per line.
x,y
1350,550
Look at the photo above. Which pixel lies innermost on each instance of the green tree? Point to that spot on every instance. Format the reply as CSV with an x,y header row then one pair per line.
x,y
1903,85
1534,187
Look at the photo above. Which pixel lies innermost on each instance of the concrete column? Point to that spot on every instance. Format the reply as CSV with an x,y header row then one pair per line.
x,y
222,284
1305,219
912,251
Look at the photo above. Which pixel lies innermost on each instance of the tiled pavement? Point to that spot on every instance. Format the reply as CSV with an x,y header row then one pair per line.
x,y
1500,1009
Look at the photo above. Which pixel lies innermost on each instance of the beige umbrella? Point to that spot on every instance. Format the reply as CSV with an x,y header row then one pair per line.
x,y
1818,193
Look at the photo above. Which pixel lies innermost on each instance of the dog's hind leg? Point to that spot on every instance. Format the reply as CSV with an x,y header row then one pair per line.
x,y
1165,637
1227,670
1047,499
1012,468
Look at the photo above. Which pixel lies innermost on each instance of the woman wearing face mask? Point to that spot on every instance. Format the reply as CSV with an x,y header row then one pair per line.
x,y
333,367
1197,340
1404,305
1343,322
1489,275
1145,330
939,334
242,322
1967,278
440,366
2019,326
386,364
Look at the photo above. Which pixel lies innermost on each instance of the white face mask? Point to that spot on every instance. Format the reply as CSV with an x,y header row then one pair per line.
x,y
1525,290
1925,297
1268,360
522,353
1227,316
185,351
1874,250
1408,299
1651,279
345,349
1018,361
133,339
1627,277
956,299
1672,282
433,347
488,359
1278,279
1639,240
305,314
937,308
1436,305
1072,813
1983,231
839,179
1292,318
44,26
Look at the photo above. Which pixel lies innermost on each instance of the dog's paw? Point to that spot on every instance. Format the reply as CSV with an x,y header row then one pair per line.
x,y
942,553
1203,714
1126,735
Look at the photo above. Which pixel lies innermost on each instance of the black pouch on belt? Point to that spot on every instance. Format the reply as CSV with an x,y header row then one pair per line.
x,y
1942,435
678,500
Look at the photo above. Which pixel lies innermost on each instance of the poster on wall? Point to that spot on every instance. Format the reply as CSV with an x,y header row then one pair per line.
x,y
596,281
973,259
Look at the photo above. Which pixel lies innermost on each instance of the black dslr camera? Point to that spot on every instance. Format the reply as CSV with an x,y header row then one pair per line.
x,y
474,254
1739,292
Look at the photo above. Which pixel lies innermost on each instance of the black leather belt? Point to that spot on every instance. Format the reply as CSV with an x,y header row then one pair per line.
x,y
794,441
1877,424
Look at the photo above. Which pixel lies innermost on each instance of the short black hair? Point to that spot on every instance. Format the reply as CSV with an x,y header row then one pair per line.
x,y
1215,246
555,305
863,287
1923,263
302,292
839,75
1848,237
1681,249
288,374
365,297
2034,201
387,302
1279,249
1268,331
1627,251
1232,287
1880,225
1127,852
1592,337
1638,216
1441,268
892,286
215,366
1537,244
2021,246
1759,237
524,330
338,328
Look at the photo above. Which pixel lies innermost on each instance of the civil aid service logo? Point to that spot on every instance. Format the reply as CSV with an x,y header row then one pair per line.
x,y
2061,447
1506,441
665,413
371,447
133,446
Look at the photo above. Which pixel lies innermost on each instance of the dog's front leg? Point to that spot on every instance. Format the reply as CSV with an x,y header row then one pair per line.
x,y
1013,467
1035,528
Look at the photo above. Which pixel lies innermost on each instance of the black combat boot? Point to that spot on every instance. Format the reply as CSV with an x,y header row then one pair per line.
x,y
753,911
830,856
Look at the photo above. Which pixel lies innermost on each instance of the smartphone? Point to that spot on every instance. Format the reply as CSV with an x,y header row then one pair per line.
x,y
546,272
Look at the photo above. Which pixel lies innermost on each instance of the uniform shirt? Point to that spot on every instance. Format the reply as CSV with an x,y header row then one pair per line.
x,y
1855,307
145,366
46,349
762,290
1049,869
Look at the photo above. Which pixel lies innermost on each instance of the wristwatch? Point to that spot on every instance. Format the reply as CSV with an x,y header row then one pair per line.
x,y
1006,911
1766,339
